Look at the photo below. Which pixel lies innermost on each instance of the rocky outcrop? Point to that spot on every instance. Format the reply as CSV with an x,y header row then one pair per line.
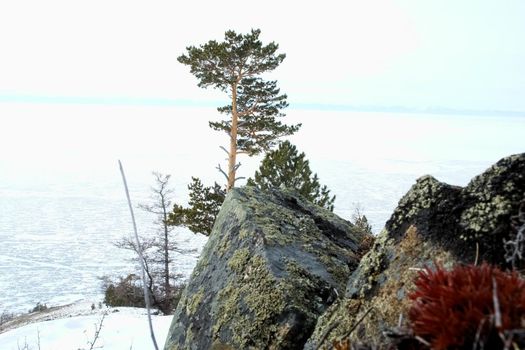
x,y
434,223
273,264
281,273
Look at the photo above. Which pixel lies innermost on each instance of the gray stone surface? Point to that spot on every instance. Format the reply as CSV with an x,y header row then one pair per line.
x,y
433,223
273,263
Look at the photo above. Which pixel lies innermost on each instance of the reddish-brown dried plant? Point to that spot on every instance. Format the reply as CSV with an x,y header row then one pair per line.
x,y
466,306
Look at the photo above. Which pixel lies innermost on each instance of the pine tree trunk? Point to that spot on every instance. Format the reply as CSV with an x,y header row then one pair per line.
x,y
232,158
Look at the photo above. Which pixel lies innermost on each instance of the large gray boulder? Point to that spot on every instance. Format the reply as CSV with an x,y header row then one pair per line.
x,y
433,223
273,263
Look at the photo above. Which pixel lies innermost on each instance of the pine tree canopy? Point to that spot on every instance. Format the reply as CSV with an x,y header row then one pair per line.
x,y
258,106
235,66
239,56
286,167
203,207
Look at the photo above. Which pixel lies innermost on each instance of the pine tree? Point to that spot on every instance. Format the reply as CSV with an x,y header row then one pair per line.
x,y
286,167
281,167
203,207
234,66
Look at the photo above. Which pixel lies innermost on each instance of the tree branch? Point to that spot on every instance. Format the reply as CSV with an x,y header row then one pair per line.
x,y
146,294
497,311
222,171
251,109
97,332
225,150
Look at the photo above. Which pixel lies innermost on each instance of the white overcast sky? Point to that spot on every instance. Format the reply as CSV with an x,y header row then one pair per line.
x,y
447,53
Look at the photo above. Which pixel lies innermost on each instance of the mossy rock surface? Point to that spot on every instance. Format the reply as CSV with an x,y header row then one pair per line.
x,y
433,223
272,265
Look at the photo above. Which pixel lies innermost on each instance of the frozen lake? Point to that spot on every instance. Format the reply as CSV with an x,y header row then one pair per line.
x,y
62,203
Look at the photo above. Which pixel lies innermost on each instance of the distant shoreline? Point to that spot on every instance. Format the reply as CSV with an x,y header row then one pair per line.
x,y
187,103
408,110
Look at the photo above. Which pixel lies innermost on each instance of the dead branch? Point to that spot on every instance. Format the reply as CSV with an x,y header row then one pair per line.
x,y
98,328
497,312
325,335
358,322
422,341
477,254
222,172
477,339
141,257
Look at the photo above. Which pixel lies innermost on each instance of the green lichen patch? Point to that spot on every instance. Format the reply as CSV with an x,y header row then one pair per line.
x,y
365,278
493,197
305,290
337,269
483,217
194,301
334,324
423,195
385,275
248,307
239,259
506,177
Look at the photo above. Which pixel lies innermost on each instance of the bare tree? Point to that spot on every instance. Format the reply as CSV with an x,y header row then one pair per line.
x,y
161,204
158,248
360,220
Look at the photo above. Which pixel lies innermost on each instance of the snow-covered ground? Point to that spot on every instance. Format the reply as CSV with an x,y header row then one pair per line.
x,y
74,327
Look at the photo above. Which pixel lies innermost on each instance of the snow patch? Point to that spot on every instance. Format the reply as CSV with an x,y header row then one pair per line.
x,y
74,327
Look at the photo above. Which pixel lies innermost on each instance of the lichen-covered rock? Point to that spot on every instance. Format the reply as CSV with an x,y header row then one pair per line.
x,y
272,265
433,223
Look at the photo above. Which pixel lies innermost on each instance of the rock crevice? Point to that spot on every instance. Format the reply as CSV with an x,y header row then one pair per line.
x,y
434,223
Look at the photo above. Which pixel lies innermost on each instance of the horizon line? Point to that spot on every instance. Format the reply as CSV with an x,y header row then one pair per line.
x,y
172,102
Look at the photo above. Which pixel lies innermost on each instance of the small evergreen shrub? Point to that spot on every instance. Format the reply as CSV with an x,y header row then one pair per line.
x,y
203,206
286,167
124,292
128,291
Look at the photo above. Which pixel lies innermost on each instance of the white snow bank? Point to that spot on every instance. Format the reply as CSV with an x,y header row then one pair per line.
x,y
122,329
